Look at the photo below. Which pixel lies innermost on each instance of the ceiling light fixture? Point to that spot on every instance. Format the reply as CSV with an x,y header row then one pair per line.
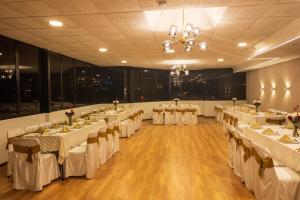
x,y
179,70
103,49
124,61
242,44
1,54
187,37
220,60
55,23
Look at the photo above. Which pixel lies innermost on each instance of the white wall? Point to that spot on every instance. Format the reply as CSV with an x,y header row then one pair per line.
x,y
206,109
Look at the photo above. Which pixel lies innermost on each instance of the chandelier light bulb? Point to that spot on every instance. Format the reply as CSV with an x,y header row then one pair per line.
x,y
190,42
196,30
189,27
203,45
188,49
173,30
187,72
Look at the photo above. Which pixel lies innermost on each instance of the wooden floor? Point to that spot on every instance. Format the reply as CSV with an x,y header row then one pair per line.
x,y
158,163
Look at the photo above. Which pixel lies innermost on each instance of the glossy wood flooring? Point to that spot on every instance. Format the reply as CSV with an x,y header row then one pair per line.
x,y
158,163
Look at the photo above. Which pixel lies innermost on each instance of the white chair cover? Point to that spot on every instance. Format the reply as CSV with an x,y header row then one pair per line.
x,y
83,159
237,163
277,182
179,116
124,129
102,146
115,136
157,117
11,134
191,117
231,148
33,176
130,126
170,117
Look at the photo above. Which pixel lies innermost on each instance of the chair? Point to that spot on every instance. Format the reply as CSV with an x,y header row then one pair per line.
x,y
10,135
191,116
109,142
31,169
231,147
124,129
170,117
157,116
115,136
179,116
272,179
237,160
102,145
83,159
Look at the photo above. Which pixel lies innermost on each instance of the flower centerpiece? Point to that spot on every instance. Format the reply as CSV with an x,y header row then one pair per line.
x,y
256,103
295,120
116,102
70,115
234,100
176,101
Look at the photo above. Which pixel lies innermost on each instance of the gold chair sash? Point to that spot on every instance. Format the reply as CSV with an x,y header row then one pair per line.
x,y
191,110
28,150
180,111
264,163
116,128
92,140
110,131
157,110
131,117
102,134
169,110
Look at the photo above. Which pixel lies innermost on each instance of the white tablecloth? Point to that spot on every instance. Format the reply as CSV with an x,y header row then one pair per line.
x,y
113,115
286,153
63,142
180,106
247,118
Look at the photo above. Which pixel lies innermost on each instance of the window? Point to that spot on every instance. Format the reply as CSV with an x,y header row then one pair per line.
x,y
134,82
55,82
8,86
29,79
68,82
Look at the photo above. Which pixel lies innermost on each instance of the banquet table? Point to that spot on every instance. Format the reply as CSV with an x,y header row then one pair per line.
x,y
179,106
248,118
63,142
114,115
285,153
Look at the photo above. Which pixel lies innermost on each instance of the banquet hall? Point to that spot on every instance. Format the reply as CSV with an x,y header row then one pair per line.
x,y
149,99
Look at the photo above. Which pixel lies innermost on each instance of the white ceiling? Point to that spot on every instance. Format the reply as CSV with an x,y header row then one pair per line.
x,y
123,28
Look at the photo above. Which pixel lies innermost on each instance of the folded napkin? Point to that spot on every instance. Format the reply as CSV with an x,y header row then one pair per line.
x,y
77,126
255,125
65,129
63,123
45,131
55,126
94,120
289,126
39,130
252,112
287,140
268,131
87,122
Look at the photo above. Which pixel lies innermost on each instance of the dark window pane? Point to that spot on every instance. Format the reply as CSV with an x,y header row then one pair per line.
x,y
55,78
8,88
68,82
134,85
29,79
83,75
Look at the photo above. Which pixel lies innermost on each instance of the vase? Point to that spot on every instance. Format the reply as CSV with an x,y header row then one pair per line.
x,y
295,132
115,106
256,109
233,102
70,121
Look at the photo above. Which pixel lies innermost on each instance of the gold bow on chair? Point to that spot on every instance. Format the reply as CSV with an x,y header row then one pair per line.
x,y
28,150
92,140
158,111
110,131
264,163
116,128
102,134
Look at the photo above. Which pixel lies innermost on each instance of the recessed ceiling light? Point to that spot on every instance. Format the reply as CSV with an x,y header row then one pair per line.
x,y
123,61
242,44
220,59
55,23
103,49
1,54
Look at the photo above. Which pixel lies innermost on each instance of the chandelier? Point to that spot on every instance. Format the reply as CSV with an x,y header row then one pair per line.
x,y
179,70
188,38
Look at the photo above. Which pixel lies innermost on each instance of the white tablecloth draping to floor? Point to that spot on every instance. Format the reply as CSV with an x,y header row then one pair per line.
x,y
114,115
63,142
286,153
179,106
247,118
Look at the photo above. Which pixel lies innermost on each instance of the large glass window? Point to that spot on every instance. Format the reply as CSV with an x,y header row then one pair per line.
x,y
55,81
29,79
8,86
134,85
83,75
68,82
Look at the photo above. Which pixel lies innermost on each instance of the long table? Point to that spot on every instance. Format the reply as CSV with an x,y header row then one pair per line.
x,y
114,115
63,142
286,153
180,106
